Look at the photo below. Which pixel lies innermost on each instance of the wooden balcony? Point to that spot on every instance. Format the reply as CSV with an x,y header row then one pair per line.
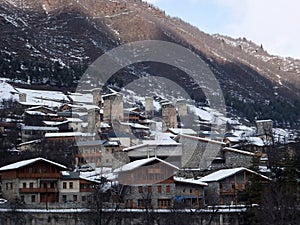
x,y
38,190
40,175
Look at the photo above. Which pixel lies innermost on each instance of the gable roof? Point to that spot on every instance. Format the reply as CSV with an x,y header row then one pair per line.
x,y
239,151
187,131
138,163
190,181
200,139
23,163
224,173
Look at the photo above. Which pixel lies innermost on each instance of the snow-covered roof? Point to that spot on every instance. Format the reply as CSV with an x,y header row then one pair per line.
x,y
41,128
23,163
54,123
33,97
39,107
42,97
263,121
257,141
183,131
74,120
200,139
203,114
84,106
224,173
190,181
136,126
138,163
104,125
81,98
35,113
151,144
30,142
68,134
239,151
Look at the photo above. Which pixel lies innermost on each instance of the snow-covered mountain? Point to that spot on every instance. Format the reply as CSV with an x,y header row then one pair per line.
x,y
53,41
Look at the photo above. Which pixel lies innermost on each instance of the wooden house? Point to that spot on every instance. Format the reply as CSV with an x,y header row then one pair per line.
x,y
32,181
225,186
147,183
76,189
189,192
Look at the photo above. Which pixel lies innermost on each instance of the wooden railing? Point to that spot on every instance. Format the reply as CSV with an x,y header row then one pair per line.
x,y
38,190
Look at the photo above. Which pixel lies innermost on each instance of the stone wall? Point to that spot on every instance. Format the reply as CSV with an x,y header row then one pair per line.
x,y
121,217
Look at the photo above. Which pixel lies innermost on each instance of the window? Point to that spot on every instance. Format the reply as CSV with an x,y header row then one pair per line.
x,y
168,189
22,198
164,203
32,198
11,186
64,185
24,185
31,184
75,198
159,189
83,198
140,188
71,185
64,197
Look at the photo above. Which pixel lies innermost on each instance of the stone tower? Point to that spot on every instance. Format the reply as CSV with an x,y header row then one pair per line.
x,y
169,116
97,99
94,120
113,108
265,129
149,108
182,108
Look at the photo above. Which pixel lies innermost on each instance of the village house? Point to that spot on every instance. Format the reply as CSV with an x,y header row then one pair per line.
x,y
97,153
32,181
224,186
76,189
170,151
189,192
39,180
132,115
30,133
64,139
36,116
147,183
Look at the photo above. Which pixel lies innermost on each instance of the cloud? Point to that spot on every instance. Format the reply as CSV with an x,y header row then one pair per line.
x,y
273,23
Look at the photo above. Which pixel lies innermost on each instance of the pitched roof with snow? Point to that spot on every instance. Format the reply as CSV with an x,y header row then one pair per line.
x,y
199,139
190,181
183,131
23,163
239,151
224,173
138,163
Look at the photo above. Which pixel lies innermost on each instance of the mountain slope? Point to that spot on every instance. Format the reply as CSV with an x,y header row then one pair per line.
x,y
53,41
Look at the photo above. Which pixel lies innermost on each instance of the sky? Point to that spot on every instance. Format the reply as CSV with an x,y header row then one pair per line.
x,y
273,23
